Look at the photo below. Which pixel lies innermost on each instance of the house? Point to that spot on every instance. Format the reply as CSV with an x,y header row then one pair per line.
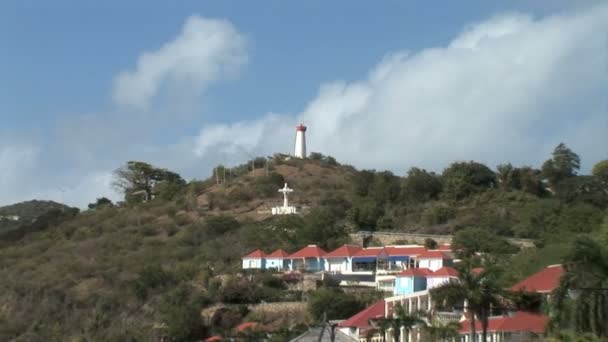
x,y
518,326
277,260
254,260
323,334
434,260
411,280
441,276
544,281
309,258
340,260
402,257
369,260
361,324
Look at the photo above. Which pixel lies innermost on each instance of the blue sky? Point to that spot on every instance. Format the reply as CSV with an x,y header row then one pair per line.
x,y
72,104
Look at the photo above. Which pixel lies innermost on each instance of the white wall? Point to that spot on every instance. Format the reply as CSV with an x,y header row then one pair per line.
x,y
252,263
432,264
274,263
342,265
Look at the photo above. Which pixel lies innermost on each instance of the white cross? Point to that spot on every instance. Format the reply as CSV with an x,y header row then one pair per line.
x,y
286,190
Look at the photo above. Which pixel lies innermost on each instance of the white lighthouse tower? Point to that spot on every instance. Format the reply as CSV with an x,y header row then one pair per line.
x,y
300,148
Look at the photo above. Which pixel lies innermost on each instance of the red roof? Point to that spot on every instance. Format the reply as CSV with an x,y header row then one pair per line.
x,y
544,281
445,272
416,272
405,251
370,252
246,326
257,254
361,319
343,252
434,255
521,321
476,270
310,251
278,254
214,338
446,247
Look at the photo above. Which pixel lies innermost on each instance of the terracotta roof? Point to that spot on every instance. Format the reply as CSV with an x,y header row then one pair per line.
x,y
278,254
342,252
214,338
310,251
520,321
246,326
545,280
405,251
445,272
257,254
370,252
434,255
361,319
476,270
415,272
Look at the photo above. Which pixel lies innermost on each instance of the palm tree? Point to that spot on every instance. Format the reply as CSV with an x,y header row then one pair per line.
x,y
581,300
402,319
441,331
480,292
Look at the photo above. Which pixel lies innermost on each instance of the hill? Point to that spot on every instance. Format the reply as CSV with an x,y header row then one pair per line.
x,y
142,270
20,218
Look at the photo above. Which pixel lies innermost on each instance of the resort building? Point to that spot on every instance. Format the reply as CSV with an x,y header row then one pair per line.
x,y
340,260
277,260
254,260
309,258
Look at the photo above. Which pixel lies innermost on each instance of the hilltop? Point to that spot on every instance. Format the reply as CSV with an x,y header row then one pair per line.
x,y
138,270
18,219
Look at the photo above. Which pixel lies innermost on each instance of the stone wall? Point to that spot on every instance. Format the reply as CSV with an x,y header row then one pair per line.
x,y
390,238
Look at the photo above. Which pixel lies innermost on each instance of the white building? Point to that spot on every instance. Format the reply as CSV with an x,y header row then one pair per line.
x,y
300,145
254,260
434,260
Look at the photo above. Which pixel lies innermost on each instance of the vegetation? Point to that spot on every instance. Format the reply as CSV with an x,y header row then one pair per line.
x,y
141,269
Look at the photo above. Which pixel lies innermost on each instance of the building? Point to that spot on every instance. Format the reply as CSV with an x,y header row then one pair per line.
x,y
362,323
518,326
300,144
340,260
434,260
323,334
370,260
309,258
544,281
411,280
254,260
277,260
441,276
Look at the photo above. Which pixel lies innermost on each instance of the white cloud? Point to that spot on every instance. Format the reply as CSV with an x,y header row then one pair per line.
x,y
206,50
506,89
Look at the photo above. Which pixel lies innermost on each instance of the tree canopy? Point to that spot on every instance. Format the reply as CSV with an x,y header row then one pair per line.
x,y
563,164
139,179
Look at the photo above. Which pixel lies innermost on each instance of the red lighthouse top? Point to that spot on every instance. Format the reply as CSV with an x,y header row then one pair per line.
x,y
300,128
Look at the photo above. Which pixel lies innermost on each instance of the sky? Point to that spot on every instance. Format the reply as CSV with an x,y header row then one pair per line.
x,y
86,86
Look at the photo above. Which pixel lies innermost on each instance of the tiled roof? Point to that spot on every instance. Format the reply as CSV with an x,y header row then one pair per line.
x,y
476,270
342,252
544,281
361,319
520,321
257,254
434,255
446,247
278,254
246,326
214,338
415,272
371,252
445,272
310,251
405,251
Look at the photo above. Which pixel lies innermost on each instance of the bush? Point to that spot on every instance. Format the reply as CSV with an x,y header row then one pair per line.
x,y
330,303
437,214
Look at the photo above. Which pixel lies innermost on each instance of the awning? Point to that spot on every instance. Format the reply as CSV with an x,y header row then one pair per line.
x,y
365,259
399,258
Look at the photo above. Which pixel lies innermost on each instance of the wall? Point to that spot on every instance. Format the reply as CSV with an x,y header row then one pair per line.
x,y
403,285
253,263
280,264
389,238
338,264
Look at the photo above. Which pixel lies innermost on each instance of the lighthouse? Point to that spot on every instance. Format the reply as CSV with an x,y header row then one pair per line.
x,y
300,148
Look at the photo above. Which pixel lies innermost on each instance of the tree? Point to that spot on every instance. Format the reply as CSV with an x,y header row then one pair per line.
x,y
442,331
524,178
480,291
384,187
472,240
581,300
463,179
563,164
362,182
332,303
421,186
101,202
139,178
600,171
401,319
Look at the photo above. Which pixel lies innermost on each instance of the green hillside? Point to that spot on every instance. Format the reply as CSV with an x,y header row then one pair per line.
x,y
141,270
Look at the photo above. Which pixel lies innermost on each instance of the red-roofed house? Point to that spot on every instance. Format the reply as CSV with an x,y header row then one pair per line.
x,y
254,260
441,276
370,259
308,258
340,260
400,256
411,280
278,260
520,326
434,260
544,281
356,325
